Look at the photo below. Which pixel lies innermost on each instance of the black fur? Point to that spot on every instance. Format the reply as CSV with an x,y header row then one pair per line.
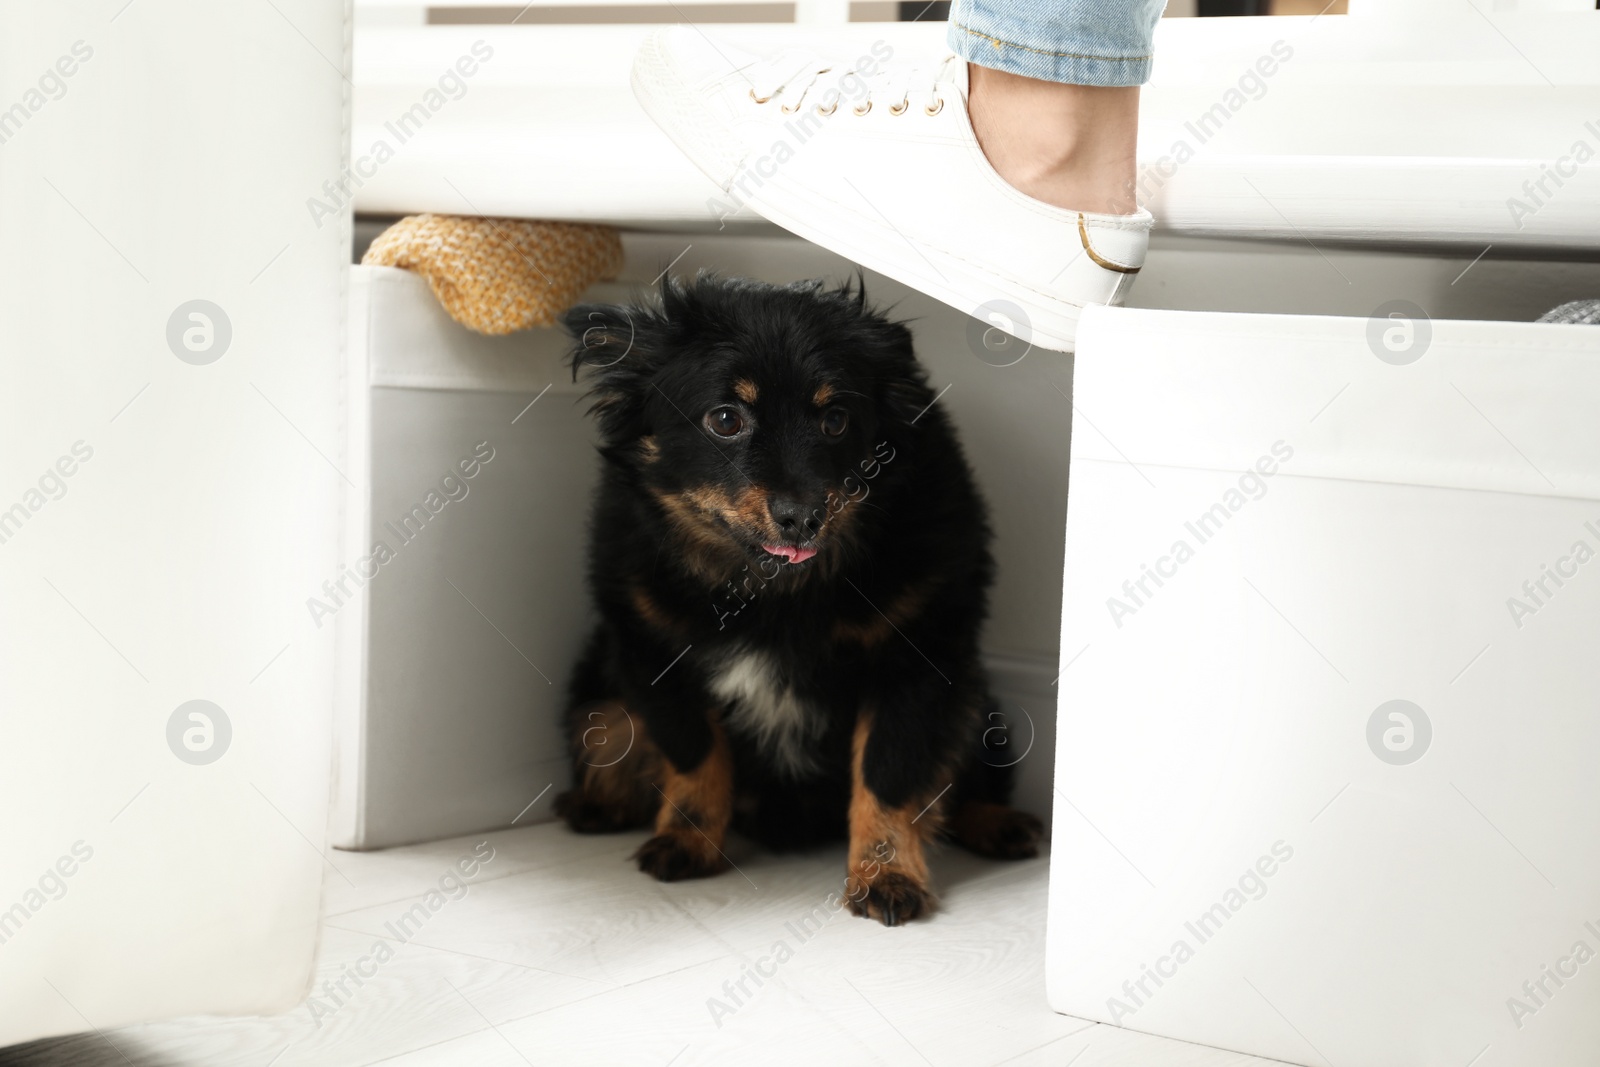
x,y
903,534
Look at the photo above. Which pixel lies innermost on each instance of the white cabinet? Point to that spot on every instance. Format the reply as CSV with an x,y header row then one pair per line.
x,y
1325,746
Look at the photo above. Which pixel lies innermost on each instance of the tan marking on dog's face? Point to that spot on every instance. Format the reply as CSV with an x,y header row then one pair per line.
x,y
822,396
649,449
687,511
704,545
746,390
716,524
690,514
750,508
745,510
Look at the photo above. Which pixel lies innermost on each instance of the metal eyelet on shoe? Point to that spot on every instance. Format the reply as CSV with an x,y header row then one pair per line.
x,y
935,107
900,108
862,108
758,99
830,109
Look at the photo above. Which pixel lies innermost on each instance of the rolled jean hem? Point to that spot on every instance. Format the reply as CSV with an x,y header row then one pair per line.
x,y
1065,67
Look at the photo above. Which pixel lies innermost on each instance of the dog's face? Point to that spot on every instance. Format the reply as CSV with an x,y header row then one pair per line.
x,y
749,412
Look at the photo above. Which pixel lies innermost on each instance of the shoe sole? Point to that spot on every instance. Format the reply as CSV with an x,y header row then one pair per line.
x,y
691,125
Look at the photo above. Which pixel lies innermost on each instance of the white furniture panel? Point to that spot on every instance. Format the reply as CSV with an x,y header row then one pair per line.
x,y
1274,535
170,329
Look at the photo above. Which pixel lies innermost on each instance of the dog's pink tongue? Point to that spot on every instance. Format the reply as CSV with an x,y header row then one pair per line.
x,y
790,552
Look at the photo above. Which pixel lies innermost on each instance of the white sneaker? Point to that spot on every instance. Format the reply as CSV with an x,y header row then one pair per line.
x,y
884,168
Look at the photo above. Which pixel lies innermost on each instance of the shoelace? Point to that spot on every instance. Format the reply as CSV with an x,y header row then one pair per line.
x,y
793,78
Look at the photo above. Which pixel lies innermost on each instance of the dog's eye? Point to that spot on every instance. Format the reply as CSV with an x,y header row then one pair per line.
x,y
724,422
834,421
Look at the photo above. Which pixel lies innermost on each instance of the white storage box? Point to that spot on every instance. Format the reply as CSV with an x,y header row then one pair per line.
x,y
461,605
1330,714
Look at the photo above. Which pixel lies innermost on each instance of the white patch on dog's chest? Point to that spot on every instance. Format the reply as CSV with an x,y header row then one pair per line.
x,y
767,711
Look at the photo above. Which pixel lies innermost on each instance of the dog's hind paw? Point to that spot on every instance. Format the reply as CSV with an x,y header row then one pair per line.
x,y
672,857
997,831
587,816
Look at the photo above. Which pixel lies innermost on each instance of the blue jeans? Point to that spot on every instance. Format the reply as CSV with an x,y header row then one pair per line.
x,y
1080,42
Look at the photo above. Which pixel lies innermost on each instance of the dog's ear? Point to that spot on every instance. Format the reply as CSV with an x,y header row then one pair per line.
x,y
903,393
616,349
902,383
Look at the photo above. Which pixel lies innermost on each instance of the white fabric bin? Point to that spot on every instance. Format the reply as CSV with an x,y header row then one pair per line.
x,y
1253,847
455,651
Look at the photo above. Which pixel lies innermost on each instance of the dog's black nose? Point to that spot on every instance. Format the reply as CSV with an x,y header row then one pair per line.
x,y
796,519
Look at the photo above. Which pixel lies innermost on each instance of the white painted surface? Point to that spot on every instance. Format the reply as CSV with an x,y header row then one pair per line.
x,y
1383,127
172,565
1223,714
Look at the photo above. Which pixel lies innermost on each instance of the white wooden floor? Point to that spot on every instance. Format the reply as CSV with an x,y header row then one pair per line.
x,y
560,952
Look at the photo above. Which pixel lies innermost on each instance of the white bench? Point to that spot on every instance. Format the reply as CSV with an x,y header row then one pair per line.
x,y
1352,137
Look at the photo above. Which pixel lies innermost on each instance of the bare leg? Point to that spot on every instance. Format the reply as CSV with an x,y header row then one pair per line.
x,y
1068,145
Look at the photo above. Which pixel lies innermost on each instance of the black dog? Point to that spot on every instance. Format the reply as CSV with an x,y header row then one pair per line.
x,y
791,563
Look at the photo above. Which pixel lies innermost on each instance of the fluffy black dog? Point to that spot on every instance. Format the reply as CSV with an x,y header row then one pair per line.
x,y
791,565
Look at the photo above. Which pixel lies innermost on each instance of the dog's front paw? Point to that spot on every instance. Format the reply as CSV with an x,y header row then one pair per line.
x,y
892,898
672,857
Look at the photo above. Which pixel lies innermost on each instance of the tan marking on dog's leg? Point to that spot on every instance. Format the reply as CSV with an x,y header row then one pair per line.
x,y
887,877
693,819
615,766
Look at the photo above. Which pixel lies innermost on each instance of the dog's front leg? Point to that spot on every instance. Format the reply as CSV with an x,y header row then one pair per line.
x,y
892,788
696,803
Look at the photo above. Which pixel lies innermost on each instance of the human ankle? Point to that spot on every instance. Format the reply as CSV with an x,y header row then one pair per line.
x,y
1073,146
